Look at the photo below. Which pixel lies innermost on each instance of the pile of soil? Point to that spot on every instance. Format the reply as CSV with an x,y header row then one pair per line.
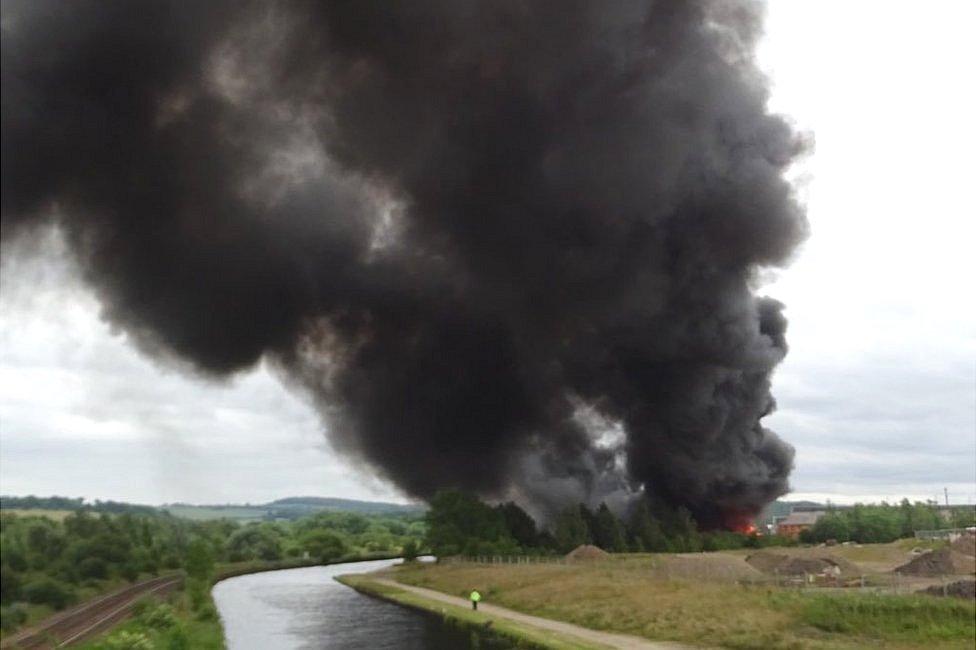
x,y
960,589
944,561
587,552
774,563
707,566
965,545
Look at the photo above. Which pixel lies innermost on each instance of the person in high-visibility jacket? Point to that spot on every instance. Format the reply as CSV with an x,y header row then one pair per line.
x,y
475,597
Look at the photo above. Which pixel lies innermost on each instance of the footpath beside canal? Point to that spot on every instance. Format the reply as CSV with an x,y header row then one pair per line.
x,y
541,632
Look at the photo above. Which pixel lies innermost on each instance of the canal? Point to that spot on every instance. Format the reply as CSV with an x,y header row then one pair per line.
x,y
305,608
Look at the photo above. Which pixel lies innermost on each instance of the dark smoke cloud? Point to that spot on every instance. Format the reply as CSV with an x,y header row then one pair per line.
x,y
504,246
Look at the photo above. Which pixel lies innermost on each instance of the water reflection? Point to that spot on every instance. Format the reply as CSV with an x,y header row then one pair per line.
x,y
306,608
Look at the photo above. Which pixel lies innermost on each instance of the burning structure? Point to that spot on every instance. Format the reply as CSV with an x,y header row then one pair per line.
x,y
505,246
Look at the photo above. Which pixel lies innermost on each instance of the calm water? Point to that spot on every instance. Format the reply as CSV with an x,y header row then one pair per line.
x,y
306,608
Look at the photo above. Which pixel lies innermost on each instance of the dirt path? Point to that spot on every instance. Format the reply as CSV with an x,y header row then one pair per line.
x,y
90,618
611,639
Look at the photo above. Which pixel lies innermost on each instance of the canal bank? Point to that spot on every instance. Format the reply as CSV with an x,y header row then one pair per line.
x,y
523,630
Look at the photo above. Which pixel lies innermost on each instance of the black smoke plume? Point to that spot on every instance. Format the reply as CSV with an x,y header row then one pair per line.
x,y
504,246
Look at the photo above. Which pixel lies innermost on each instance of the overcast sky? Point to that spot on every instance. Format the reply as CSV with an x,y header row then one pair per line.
x,y
878,393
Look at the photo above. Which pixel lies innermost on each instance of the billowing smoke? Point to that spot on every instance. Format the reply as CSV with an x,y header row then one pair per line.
x,y
504,246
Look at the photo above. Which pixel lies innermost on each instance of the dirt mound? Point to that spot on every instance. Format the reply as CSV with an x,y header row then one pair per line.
x,y
587,552
707,566
944,561
960,589
965,545
775,563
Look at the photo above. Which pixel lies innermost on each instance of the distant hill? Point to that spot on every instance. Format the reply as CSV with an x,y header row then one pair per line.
x,y
345,505
287,508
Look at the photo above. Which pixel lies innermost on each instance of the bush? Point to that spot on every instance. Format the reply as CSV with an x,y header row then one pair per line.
x,y
12,617
93,568
48,591
129,571
206,612
9,585
160,617
177,639
197,591
15,559
409,551
143,605
125,640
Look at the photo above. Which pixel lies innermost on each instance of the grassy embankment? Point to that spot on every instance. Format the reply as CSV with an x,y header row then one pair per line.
x,y
630,594
522,636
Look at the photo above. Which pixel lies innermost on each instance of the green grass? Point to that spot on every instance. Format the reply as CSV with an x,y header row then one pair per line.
x,y
631,596
909,619
205,513
524,636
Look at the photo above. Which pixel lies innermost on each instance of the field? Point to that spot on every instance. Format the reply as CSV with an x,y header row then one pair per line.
x,y
715,599
242,514
56,515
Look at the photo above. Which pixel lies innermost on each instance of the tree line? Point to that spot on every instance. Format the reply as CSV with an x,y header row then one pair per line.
x,y
73,505
458,523
56,563
882,523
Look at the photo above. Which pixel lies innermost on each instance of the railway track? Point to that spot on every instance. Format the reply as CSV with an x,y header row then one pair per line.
x,y
84,621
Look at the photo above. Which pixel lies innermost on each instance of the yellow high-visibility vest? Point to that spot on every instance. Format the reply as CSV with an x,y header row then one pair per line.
x,y
475,596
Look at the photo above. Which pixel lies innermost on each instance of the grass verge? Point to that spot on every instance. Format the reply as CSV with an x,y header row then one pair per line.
x,y
521,636
631,597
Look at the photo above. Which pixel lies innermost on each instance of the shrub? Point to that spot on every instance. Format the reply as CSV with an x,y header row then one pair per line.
x,y
9,584
12,617
206,612
160,617
125,640
48,591
93,568
177,639
143,605
197,591
129,571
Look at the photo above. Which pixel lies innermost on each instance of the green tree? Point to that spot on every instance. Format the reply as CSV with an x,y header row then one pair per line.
x,y
646,529
520,525
608,532
409,551
831,526
684,535
570,530
199,560
48,591
458,522
324,546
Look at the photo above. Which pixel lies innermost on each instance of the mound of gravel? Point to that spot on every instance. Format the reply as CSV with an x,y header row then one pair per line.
x,y
965,545
775,563
959,589
944,561
587,552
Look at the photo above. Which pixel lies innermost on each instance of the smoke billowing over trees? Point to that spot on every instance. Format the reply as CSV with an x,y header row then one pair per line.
x,y
507,247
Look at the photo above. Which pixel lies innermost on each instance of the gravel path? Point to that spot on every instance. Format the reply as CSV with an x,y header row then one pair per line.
x,y
609,639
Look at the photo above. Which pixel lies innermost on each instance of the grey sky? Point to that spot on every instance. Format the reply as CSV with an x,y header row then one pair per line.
x,y
878,393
